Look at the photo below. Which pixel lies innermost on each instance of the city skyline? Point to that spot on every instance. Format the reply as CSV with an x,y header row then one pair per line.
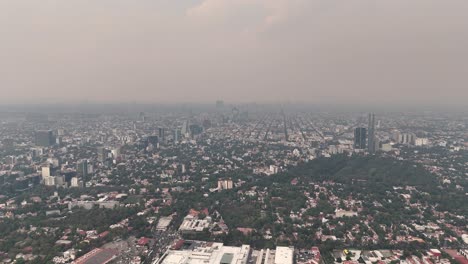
x,y
233,132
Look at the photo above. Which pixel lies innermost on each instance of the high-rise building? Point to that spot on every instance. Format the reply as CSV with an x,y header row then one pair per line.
x,y
45,171
177,135
82,169
102,154
153,140
360,137
225,184
406,138
49,181
116,152
195,129
185,128
75,182
162,134
60,180
44,138
142,116
371,134
60,132
376,144
421,141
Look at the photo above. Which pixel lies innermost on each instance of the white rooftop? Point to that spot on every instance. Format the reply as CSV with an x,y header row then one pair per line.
x,y
284,255
207,253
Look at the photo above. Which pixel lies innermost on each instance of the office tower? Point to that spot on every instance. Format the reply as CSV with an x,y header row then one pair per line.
x,y
82,169
185,128
196,129
75,182
162,136
102,153
396,136
376,144
371,135
360,138
116,152
153,140
69,175
44,138
60,180
60,132
407,138
142,116
49,181
177,135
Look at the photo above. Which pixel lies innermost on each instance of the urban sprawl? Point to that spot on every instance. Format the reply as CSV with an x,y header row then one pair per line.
x,y
234,185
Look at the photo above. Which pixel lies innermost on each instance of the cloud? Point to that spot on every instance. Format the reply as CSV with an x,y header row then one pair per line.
x,y
259,15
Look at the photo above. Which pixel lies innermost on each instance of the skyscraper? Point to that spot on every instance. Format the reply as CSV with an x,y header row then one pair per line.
x,y
153,140
44,138
371,135
177,135
82,169
360,138
102,154
185,128
162,135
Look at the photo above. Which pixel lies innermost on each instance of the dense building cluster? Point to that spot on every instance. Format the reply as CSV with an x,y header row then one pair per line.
x,y
235,185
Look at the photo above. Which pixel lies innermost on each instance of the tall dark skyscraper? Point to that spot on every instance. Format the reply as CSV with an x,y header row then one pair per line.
x,y
82,169
360,138
162,135
44,138
371,135
153,140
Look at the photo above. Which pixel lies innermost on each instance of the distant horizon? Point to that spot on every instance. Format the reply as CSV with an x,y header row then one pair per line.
x,y
378,107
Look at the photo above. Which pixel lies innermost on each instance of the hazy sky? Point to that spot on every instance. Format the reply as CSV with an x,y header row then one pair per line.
x,y
236,50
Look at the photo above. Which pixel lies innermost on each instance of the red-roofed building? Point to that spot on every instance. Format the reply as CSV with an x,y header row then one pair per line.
x,y
103,234
143,241
458,257
178,245
27,250
316,252
205,211
435,253
193,212
97,256
245,231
